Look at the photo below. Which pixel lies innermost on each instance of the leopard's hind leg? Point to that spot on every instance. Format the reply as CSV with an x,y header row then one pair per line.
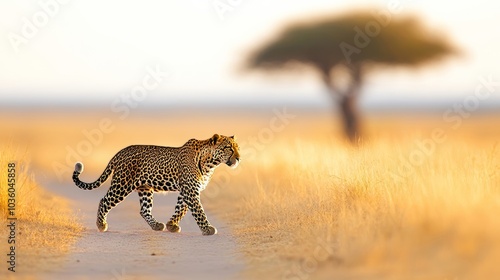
x,y
116,194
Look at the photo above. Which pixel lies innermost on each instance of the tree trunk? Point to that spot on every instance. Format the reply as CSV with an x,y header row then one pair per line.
x,y
350,116
347,99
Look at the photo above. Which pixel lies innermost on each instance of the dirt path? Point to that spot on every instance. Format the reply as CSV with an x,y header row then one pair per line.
x,y
131,250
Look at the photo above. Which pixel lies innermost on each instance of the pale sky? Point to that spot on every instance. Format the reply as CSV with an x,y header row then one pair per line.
x,y
97,50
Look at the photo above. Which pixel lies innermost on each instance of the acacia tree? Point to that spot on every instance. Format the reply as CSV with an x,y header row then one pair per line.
x,y
343,50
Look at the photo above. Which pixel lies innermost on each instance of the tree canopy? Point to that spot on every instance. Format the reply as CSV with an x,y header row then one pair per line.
x,y
353,40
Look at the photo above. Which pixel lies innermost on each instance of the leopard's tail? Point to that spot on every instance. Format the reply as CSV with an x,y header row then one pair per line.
x,y
90,186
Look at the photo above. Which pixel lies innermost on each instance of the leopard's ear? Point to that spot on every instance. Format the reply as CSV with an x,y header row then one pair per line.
x,y
214,139
232,136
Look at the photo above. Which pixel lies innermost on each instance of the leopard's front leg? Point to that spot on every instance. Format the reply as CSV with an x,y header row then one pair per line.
x,y
192,199
180,210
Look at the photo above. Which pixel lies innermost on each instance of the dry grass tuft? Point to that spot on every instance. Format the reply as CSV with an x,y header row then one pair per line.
x,y
45,228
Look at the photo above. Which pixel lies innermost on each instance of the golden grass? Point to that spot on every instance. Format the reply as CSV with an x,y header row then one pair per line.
x,y
45,228
316,208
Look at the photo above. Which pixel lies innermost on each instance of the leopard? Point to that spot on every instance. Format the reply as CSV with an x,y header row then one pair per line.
x,y
149,169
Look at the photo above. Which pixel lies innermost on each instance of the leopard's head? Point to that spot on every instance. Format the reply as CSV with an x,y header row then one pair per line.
x,y
225,150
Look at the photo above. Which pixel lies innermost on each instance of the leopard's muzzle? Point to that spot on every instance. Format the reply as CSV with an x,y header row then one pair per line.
x,y
233,160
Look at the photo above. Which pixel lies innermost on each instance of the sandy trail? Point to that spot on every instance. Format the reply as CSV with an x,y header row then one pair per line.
x,y
131,250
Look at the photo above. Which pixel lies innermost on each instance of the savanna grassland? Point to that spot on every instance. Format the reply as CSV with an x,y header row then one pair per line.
x,y
418,198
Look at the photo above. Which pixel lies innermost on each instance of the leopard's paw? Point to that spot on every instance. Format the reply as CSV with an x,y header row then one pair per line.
x,y
172,227
102,226
210,230
158,227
